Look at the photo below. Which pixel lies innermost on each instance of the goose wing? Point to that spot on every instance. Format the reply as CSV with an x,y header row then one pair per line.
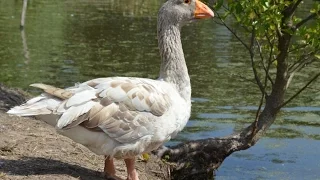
x,y
123,108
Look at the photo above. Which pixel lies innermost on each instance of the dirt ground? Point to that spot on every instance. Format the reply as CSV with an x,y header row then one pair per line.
x,y
31,149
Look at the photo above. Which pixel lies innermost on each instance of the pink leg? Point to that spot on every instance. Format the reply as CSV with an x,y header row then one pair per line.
x,y
132,173
109,167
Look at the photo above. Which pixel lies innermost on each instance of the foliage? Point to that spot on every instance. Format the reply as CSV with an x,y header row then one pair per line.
x,y
273,32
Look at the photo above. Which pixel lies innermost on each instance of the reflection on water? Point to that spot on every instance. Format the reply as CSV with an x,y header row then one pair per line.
x,y
70,42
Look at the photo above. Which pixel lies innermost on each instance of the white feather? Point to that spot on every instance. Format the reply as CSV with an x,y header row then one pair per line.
x,y
62,107
73,113
116,94
52,104
81,97
23,111
103,85
36,99
36,106
137,104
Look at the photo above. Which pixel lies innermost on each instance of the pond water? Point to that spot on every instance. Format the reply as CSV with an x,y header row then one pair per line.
x,y
72,41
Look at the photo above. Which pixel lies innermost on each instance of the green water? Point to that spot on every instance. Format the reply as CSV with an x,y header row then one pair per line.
x,y
66,42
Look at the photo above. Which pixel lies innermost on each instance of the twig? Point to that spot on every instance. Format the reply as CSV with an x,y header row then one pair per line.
x,y
311,16
260,52
157,172
266,69
242,42
271,44
255,127
297,93
262,88
218,22
255,73
304,59
244,78
264,94
297,48
290,79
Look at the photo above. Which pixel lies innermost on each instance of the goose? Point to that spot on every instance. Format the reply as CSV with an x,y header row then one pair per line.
x,y
123,117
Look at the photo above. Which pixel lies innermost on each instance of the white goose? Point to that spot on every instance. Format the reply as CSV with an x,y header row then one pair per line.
x,y
121,117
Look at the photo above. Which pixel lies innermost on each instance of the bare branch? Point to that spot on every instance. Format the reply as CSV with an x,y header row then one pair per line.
x,y
255,127
288,12
264,94
245,79
234,33
294,7
225,7
253,65
218,22
308,18
303,60
271,44
261,55
290,79
297,93
266,69
297,48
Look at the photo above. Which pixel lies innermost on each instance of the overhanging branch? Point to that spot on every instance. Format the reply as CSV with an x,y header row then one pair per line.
x,y
234,33
288,12
253,65
302,61
297,93
266,69
308,18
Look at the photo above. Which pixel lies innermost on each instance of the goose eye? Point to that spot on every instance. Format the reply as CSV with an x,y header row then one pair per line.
x,y
187,1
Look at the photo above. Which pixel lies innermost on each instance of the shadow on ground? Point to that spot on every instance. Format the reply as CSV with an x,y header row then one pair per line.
x,y
27,166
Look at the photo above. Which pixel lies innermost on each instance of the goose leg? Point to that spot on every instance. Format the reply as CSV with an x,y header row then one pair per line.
x,y
109,169
132,173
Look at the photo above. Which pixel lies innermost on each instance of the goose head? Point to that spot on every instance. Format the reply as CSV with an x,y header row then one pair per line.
x,y
180,12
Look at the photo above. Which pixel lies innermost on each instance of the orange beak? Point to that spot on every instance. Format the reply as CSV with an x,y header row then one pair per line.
x,y
202,11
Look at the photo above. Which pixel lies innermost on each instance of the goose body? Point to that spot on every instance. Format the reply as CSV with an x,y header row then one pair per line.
x,y
121,117
117,117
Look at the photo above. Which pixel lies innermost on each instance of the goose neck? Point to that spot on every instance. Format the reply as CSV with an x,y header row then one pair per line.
x,y
173,66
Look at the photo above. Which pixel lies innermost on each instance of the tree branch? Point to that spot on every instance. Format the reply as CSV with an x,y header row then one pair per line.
x,y
266,69
308,18
294,7
245,79
297,48
264,94
297,93
235,34
218,22
253,65
255,126
288,12
303,60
